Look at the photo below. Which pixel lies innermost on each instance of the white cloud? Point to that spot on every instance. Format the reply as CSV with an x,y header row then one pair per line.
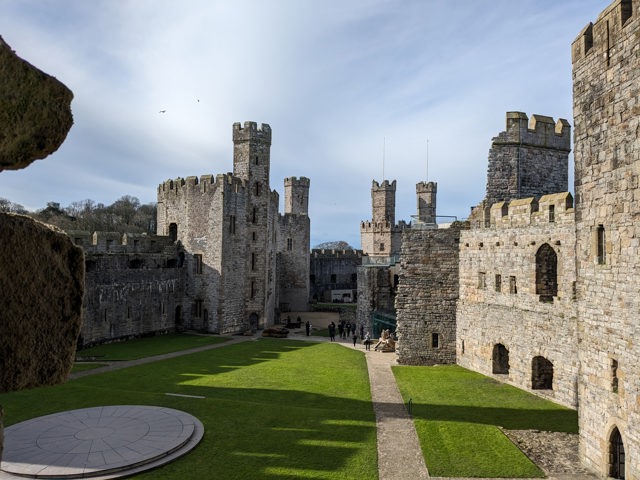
x,y
333,79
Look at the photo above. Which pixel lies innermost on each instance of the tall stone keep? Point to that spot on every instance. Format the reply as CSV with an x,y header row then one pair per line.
x,y
251,163
426,200
606,106
528,159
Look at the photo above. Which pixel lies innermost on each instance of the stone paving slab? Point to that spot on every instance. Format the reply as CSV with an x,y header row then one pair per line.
x,y
99,442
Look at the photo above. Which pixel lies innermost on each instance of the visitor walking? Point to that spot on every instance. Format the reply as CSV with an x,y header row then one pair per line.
x,y
354,337
332,331
307,326
367,341
341,329
349,329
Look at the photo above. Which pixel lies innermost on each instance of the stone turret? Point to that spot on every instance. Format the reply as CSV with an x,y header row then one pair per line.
x,y
426,199
296,195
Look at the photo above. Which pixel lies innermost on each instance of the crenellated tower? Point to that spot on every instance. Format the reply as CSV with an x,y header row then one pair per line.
x,y
296,195
426,199
383,202
528,159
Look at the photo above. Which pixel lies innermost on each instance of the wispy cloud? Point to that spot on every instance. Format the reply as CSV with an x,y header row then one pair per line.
x,y
334,80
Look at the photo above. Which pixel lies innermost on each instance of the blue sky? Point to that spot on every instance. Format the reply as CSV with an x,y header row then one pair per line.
x,y
343,84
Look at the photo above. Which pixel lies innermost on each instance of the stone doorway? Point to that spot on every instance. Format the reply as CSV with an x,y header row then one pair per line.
x,y
541,374
616,455
500,359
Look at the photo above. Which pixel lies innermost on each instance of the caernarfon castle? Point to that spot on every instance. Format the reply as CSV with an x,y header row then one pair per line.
x,y
224,260
538,289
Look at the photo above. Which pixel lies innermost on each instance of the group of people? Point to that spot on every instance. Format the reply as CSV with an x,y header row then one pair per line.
x,y
346,330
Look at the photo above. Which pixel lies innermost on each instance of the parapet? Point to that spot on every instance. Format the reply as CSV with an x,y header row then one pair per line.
x,y
540,131
325,253
385,185
426,187
549,209
203,184
298,182
115,242
251,132
602,35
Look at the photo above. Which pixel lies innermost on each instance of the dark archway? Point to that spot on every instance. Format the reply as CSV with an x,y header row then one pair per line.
x,y
541,374
500,359
253,322
173,231
546,273
616,455
178,319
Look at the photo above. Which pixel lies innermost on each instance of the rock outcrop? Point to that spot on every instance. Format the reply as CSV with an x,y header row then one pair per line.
x,y
35,111
42,283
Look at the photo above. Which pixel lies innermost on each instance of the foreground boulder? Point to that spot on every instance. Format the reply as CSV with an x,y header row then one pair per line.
x,y
42,283
35,111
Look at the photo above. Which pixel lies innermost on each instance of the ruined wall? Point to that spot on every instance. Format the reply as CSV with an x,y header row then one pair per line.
x,y
427,296
517,280
134,286
528,159
333,270
606,103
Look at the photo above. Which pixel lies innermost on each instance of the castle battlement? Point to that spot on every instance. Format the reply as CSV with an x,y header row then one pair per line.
x,y
540,131
385,185
601,37
426,187
295,181
379,227
115,242
326,253
250,131
202,184
549,209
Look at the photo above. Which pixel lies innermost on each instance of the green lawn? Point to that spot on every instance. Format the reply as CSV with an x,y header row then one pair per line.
x,y
457,413
273,409
149,346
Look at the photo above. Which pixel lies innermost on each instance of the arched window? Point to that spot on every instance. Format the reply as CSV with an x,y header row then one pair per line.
x,y
500,359
541,374
546,273
616,455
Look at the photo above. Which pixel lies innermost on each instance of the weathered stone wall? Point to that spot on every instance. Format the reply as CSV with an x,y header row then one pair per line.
x,y
37,334
528,159
293,262
192,211
606,71
341,266
376,291
504,301
133,287
427,296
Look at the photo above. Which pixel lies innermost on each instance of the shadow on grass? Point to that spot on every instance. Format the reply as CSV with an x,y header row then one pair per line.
x,y
509,418
302,430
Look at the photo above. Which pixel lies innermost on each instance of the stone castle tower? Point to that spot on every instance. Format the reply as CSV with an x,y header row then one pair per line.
x,y
293,246
234,237
380,237
426,202
606,72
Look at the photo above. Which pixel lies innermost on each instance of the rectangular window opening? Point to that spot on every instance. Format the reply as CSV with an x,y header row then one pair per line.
x,y
197,263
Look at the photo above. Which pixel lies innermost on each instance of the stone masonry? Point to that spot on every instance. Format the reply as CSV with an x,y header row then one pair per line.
x,y
606,106
427,295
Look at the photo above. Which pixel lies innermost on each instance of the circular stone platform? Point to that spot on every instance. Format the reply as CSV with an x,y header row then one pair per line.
x,y
98,443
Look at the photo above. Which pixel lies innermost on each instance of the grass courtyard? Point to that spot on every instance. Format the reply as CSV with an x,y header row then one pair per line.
x,y
285,409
